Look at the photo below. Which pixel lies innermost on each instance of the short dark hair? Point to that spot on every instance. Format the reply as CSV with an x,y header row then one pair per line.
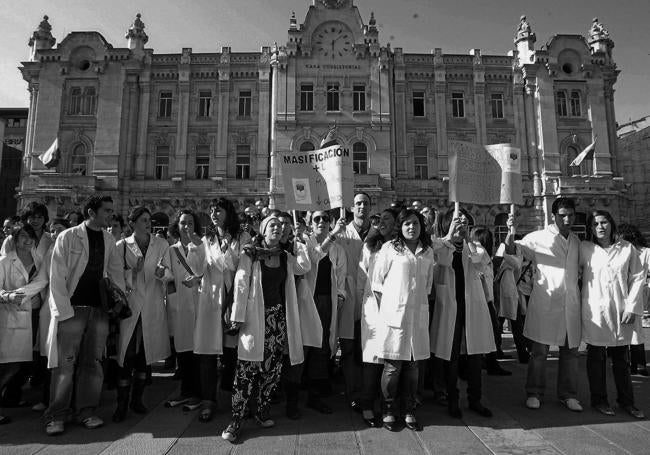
x,y
94,203
173,226
35,209
563,202
60,220
120,219
364,194
74,212
136,212
483,235
15,231
590,221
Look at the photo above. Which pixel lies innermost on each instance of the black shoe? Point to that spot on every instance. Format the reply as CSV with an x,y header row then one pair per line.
x,y
391,426
372,423
480,409
498,371
634,411
232,431
356,406
454,411
413,425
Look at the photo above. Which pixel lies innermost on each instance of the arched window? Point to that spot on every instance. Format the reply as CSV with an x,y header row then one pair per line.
x,y
307,147
575,104
79,160
500,228
585,168
561,103
360,158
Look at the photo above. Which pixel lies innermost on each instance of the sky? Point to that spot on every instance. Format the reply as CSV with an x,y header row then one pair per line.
x,y
415,25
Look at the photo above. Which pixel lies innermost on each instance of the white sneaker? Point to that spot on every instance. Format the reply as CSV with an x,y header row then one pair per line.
x,y
39,407
572,404
533,403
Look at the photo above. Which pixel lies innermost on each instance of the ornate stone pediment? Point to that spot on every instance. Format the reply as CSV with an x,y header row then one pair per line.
x,y
334,4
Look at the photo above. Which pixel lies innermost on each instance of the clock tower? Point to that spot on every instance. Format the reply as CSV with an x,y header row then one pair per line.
x,y
333,72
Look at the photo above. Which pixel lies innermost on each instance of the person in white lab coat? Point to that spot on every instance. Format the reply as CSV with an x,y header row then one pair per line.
x,y
20,282
401,282
612,306
373,366
82,256
461,319
632,234
349,323
553,313
181,305
144,336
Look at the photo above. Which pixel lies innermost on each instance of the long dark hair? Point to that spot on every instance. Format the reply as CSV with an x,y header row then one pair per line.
x,y
590,222
231,225
483,235
632,234
375,240
400,242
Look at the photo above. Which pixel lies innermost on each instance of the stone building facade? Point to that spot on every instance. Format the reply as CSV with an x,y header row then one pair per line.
x,y
173,130
13,127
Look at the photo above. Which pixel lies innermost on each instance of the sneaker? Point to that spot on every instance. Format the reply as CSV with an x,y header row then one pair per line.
x,y
176,401
92,422
634,411
54,427
533,403
231,433
572,404
264,420
39,407
604,409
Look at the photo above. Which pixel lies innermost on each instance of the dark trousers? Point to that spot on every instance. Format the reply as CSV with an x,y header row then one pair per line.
x,y
491,358
351,360
208,375
637,355
317,359
522,344
473,367
7,372
597,372
188,368
394,374
135,360
228,366
370,384
438,375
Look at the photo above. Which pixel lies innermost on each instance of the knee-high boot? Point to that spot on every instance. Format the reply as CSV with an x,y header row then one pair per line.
x,y
123,391
137,391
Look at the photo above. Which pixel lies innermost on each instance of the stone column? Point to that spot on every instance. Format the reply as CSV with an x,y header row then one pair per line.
x,y
143,123
598,117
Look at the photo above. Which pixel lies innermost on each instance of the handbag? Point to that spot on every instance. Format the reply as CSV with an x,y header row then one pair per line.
x,y
113,299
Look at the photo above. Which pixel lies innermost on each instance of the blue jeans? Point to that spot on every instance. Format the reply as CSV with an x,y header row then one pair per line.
x,y
567,375
81,341
399,377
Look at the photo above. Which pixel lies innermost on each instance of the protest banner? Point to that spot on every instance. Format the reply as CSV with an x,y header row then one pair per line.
x,y
317,180
484,174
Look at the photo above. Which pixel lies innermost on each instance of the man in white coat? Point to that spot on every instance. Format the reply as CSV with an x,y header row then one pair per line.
x,y
553,315
349,323
82,256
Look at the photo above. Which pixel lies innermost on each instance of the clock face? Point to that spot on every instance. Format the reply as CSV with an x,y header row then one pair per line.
x,y
332,40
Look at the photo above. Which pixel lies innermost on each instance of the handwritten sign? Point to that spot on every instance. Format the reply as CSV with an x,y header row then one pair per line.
x,y
317,180
484,174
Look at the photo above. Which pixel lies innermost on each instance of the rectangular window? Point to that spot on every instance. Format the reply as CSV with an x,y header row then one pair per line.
x,y
202,162
205,101
575,104
359,97
421,162
496,100
245,102
418,104
359,158
561,104
243,162
165,105
457,105
162,163
74,106
333,97
307,97
89,101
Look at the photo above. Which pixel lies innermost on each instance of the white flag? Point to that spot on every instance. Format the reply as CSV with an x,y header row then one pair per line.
x,y
51,157
586,154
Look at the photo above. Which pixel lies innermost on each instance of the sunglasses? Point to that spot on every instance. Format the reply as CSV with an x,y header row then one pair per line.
x,y
317,219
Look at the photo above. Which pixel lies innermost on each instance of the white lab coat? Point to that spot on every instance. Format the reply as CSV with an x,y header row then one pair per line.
x,y
644,256
69,260
404,280
478,335
553,313
612,283
39,252
181,305
234,252
16,320
351,310
312,329
248,307
370,345
147,299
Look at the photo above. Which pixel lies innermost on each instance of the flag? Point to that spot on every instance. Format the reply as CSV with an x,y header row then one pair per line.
x,y
586,154
51,157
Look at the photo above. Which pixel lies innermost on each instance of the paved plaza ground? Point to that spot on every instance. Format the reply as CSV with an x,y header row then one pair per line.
x,y
514,429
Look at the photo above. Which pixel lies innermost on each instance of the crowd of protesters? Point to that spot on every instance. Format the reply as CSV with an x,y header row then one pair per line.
x,y
260,304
